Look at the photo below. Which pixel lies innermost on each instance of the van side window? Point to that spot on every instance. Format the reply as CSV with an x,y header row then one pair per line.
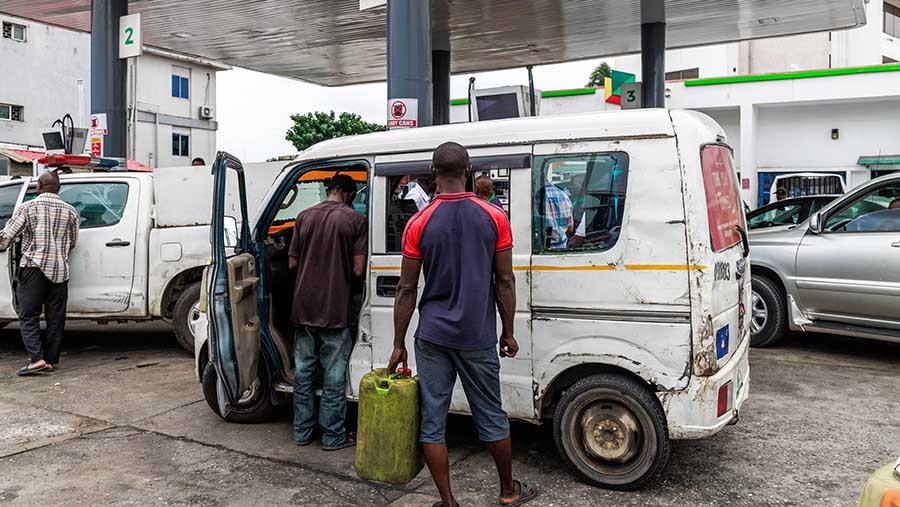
x,y
408,194
579,201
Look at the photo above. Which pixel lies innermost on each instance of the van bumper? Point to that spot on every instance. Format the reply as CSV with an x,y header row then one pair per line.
x,y
693,412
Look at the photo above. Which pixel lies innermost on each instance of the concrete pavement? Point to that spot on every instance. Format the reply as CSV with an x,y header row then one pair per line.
x,y
123,423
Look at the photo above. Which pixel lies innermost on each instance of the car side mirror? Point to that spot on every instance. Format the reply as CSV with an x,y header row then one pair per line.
x,y
816,224
231,232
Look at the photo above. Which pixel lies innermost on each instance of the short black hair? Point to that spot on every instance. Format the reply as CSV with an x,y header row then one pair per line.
x,y
450,159
198,159
340,182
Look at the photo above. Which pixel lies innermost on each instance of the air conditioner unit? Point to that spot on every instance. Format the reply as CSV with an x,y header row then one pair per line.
x,y
206,112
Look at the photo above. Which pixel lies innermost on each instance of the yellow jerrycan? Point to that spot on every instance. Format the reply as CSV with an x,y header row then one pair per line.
x,y
387,439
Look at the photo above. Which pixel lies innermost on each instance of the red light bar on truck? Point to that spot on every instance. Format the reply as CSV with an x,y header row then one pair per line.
x,y
79,161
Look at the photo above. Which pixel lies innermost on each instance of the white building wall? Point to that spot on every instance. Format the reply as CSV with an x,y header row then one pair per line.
x,y
800,52
153,145
798,137
42,75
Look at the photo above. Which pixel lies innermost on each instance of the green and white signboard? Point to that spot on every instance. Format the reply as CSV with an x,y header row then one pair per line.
x,y
130,36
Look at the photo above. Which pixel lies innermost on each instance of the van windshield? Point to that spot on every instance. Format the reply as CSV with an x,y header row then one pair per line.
x,y
723,201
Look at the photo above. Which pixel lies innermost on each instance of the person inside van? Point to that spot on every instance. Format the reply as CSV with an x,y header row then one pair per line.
x,y
484,189
465,245
328,250
198,161
781,194
421,193
558,216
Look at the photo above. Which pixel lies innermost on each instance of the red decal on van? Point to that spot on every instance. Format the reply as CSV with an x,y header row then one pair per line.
x,y
723,200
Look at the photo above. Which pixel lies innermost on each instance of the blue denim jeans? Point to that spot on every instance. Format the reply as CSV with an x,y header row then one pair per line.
x,y
331,348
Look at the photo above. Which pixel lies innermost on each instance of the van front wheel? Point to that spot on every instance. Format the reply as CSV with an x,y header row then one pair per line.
x,y
611,431
256,404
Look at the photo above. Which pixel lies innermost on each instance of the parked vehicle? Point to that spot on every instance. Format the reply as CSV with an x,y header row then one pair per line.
x,y
629,338
787,213
142,247
834,273
804,184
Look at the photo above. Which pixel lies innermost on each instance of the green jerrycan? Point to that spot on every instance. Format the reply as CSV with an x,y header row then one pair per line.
x,y
387,439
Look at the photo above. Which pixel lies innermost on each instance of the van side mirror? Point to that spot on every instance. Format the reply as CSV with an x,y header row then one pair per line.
x,y
231,232
816,223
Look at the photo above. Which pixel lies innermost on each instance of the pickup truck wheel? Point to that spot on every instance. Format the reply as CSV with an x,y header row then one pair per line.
x,y
768,313
187,309
256,404
611,430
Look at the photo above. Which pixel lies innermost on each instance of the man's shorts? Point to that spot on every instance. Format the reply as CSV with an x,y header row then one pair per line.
x,y
479,372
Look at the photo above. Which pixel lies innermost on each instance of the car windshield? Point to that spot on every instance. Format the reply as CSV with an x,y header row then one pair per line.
x,y
776,215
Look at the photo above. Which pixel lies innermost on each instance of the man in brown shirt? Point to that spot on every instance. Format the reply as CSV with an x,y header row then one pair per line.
x,y
328,250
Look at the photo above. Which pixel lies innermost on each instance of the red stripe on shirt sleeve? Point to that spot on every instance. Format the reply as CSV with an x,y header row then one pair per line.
x,y
412,233
501,221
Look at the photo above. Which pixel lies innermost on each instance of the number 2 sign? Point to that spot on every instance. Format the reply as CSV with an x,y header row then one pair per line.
x,y
130,36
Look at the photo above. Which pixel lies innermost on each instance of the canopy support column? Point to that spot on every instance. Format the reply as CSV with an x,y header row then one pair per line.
x,y
108,73
653,52
409,55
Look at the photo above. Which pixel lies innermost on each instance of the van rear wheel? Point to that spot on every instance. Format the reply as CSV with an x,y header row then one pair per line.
x,y
768,313
611,431
256,404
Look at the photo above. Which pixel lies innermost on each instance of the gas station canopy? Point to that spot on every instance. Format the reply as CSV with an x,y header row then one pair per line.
x,y
334,42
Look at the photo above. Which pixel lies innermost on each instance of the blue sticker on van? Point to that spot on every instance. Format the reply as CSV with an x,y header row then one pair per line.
x,y
722,342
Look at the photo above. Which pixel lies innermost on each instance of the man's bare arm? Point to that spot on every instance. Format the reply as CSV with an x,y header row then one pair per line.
x,y
404,306
505,295
359,265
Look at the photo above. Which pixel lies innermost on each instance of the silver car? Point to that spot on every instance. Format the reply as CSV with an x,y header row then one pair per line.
x,y
837,272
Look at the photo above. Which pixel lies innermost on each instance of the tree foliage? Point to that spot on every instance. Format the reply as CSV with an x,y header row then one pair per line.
x,y
311,128
602,71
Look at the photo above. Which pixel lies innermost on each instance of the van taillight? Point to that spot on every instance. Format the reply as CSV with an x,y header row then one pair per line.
x,y
724,405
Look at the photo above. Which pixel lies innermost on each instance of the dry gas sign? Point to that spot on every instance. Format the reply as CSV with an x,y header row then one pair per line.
x,y
403,113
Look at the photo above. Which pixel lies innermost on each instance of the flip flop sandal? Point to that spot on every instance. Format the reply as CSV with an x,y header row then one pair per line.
x,y
345,445
441,504
527,494
26,371
303,443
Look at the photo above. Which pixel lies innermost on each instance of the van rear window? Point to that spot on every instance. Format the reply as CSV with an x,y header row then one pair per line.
x,y
723,201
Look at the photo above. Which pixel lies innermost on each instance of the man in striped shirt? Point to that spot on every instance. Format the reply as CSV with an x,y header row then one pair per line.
x,y
48,227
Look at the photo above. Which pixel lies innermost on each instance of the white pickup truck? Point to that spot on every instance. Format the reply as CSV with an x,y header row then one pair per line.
x,y
143,243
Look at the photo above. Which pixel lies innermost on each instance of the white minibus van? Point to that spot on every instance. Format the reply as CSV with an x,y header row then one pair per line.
x,y
632,325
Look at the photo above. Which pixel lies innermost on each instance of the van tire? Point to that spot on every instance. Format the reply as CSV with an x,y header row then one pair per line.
x,y
617,402
182,314
259,410
772,297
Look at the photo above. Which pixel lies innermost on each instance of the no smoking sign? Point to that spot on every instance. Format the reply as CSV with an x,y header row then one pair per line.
x,y
403,113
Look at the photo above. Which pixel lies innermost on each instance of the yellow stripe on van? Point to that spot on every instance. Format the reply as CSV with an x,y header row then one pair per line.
x,y
664,267
628,267
603,267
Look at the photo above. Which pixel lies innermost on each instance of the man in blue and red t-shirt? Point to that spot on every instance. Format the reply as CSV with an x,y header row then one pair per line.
x,y
465,245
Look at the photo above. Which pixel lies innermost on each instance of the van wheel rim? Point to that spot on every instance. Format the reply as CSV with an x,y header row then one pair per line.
x,y
193,317
610,432
759,314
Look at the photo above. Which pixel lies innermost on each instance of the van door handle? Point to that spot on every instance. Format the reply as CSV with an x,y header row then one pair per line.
x,y
386,286
118,242
896,244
